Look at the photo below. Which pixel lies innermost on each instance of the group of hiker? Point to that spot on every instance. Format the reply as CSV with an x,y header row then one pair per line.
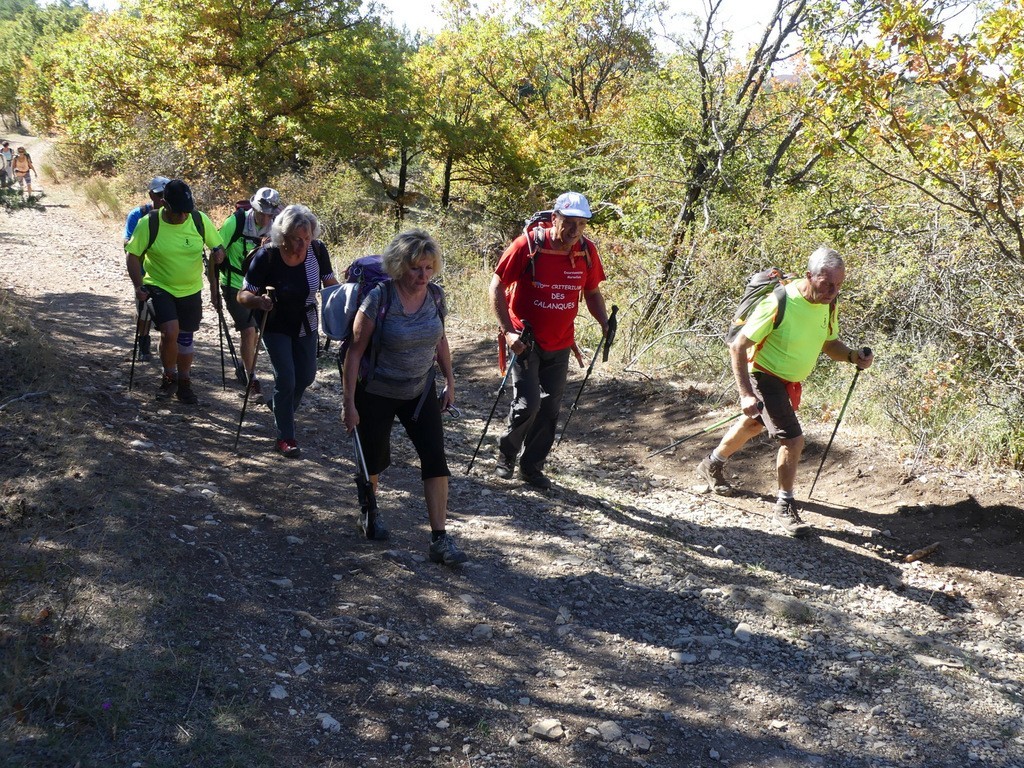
x,y
269,283
16,168
271,264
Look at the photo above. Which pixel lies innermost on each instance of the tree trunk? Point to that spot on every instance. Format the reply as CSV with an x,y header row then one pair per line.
x,y
446,189
681,233
403,183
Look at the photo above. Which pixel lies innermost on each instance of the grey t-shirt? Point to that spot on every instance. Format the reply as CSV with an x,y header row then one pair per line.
x,y
408,343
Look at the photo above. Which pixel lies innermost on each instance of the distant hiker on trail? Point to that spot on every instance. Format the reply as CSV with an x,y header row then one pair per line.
x,y
156,197
23,169
408,311
295,266
769,364
171,241
538,281
243,232
6,160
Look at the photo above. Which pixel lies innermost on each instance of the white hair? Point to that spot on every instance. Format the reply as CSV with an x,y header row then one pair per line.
x,y
291,218
824,259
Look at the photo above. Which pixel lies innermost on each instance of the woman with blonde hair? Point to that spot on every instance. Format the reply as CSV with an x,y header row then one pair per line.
x,y
23,169
410,310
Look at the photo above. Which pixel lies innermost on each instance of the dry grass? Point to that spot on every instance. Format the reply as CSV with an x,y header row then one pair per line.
x,y
26,362
99,193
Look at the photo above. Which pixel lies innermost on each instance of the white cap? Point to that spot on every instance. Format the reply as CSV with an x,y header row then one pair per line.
x,y
573,204
266,200
157,184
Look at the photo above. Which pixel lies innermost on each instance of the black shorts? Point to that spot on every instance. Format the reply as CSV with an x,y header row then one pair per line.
x,y
778,415
188,310
377,415
244,318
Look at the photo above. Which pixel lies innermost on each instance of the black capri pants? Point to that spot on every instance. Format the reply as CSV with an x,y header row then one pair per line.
x,y
376,417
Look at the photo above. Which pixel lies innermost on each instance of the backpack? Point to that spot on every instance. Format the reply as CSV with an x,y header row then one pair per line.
x,y
535,227
289,310
772,280
153,218
241,207
341,302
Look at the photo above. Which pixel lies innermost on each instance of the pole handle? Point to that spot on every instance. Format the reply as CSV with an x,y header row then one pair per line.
x,y
613,326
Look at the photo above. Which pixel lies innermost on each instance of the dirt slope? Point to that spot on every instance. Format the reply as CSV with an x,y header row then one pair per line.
x,y
168,601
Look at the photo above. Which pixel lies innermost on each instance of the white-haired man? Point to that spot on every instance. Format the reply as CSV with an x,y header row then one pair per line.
x,y
770,362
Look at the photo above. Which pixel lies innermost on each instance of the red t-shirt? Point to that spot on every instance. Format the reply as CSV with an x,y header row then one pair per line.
x,y
549,298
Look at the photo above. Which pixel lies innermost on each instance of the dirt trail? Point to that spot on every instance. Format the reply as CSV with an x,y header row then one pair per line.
x,y
206,607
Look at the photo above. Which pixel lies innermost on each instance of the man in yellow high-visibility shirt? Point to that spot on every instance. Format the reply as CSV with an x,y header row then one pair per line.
x,y
770,362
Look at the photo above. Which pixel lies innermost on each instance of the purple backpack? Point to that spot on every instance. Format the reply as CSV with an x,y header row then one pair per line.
x,y
341,302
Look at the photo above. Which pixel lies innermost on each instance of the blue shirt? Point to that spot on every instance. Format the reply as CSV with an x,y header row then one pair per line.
x,y
134,217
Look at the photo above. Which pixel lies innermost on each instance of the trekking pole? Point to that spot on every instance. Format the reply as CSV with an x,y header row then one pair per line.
x,y
704,431
221,322
866,352
223,374
606,343
527,338
227,334
135,352
364,486
145,312
251,376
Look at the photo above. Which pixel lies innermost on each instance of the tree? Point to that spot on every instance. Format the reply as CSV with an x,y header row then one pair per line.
x,y
257,73
471,136
27,30
727,100
941,119
947,105
545,76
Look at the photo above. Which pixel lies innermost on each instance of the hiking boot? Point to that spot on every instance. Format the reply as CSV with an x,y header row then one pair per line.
x,y
145,349
713,473
288,448
372,526
505,466
255,390
537,479
168,385
444,550
788,517
185,393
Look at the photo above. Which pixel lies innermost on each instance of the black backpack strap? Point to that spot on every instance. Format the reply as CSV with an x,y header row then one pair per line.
x,y
780,299
153,222
386,297
323,260
438,296
239,215
197,220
